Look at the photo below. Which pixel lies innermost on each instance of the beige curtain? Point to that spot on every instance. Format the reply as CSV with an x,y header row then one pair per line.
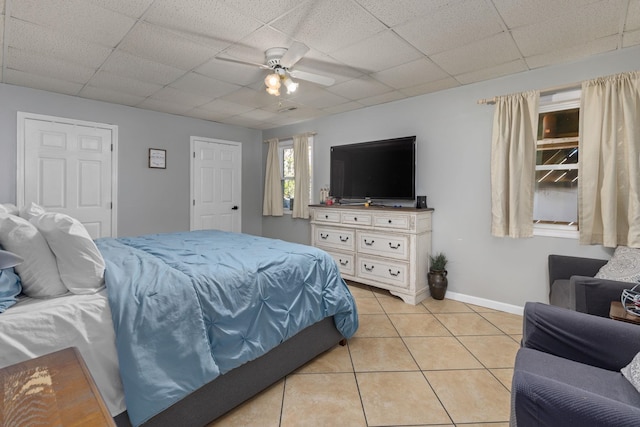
x,y
272,202
609,174
301,171
513,151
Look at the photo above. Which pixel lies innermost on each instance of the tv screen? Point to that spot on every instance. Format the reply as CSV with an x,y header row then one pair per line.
x,y
374,170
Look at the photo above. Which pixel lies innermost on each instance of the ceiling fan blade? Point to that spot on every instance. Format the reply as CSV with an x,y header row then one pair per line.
x,y
293,54
311,77
238,61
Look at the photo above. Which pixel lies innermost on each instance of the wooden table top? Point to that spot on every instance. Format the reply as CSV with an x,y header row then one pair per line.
x,y
52,390
617,312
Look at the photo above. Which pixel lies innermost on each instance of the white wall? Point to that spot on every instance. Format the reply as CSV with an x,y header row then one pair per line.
x,y
453,170
149,200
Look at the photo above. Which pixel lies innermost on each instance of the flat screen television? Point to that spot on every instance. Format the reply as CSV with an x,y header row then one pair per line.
x,y
374,170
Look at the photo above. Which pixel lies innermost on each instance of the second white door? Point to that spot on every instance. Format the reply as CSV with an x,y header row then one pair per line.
x,y
216,191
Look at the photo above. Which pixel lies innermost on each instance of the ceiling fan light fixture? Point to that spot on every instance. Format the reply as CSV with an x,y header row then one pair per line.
x,y
290,85
273,91
272,81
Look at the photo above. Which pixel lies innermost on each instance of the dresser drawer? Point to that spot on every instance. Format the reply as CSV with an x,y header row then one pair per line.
x,y
355,218
346,262
393,273
398,221
335,238
382,244
323,215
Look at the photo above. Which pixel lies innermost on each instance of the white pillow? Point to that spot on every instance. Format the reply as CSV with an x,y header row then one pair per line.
x,y
9,208
79,261
623,266
39,271
30,211
632,371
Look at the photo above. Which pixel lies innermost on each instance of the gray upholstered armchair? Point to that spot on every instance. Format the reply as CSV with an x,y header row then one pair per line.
x,y
572,285
567,372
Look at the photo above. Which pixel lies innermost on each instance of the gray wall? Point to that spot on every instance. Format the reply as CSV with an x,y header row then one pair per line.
x,y
149,200
453,170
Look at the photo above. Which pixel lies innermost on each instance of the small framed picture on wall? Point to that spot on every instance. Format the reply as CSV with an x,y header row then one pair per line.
x,y
157,158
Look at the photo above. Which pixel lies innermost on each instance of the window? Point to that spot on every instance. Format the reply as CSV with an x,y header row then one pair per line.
x,y
287,173
555,205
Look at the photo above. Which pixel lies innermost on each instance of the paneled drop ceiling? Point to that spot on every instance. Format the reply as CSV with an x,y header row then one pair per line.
x,y
160,54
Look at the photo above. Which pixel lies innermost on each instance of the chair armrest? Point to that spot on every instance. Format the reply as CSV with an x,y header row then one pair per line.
x,y
563,267
594,296
541,401
592,340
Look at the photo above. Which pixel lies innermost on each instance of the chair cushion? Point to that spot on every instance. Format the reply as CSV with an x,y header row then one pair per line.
x,y
609,384
560,294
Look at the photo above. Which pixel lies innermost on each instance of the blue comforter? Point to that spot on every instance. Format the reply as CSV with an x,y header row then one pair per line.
x,y
188,307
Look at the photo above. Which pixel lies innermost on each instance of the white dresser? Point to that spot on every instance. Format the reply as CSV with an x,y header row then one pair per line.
x,y
387,248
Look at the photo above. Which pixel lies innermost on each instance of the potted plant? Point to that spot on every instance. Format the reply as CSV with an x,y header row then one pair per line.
x,y
437,275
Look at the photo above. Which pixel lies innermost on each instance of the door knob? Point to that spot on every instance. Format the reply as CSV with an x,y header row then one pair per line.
x,y
235,208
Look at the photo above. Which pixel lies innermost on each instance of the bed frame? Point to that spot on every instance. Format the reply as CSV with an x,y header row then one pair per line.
x,y
238,385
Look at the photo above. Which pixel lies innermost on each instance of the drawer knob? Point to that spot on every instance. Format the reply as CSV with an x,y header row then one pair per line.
x,y
324,236
326,217
394,247
389,221
344,239
368,243
368,268
396,274
355,218
344,263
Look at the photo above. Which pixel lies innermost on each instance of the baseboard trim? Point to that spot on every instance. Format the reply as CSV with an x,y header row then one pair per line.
x,y
483,302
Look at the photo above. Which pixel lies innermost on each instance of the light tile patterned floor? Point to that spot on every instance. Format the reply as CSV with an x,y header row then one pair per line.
x,y
442,363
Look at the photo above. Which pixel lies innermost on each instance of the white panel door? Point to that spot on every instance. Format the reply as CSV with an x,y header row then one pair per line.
x,y
67,167
216,191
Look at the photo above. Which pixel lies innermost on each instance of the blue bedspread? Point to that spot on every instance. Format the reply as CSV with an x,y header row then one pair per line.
x,y
190,306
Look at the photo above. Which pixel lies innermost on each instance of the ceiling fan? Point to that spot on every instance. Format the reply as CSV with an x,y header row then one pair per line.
x,y
281,60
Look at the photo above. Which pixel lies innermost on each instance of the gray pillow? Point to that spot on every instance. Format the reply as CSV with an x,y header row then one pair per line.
x,y
623,266
632,372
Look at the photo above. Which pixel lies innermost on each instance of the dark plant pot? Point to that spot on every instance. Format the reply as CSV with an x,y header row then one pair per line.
x,y
437,283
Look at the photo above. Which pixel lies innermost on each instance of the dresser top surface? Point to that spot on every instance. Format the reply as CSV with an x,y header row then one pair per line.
x,y
377,208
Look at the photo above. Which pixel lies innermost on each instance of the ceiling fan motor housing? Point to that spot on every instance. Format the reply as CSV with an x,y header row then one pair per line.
x,y
273,56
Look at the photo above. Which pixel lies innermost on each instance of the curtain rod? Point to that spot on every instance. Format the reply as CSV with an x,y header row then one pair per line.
x,y
291,137
491,101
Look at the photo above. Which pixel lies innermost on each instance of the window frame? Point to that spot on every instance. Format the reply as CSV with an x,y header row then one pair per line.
x,y
282,146
559,101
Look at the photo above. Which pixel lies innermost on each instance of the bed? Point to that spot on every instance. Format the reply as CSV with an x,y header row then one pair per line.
x,y
190,324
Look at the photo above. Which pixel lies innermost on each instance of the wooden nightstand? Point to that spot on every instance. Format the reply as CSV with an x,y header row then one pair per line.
x,y
51,390
617,312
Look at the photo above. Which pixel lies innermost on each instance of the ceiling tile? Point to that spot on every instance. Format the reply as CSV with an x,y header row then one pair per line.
x,y
259,114
209,19
31,63
201,85
164,106
633,16
512,67
396,12
329,25
264,10
200,113
252,48
381,99
20,78
359,88
23,35
363,54
220,106
348,106
489,52
249,97
519,13
319,98
446,83
166,47
584,25
243,121
573,53
108,95
127,65
230,72
76,18
105,80
631,38
411,74
452,26
170,94
133,8
316,62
